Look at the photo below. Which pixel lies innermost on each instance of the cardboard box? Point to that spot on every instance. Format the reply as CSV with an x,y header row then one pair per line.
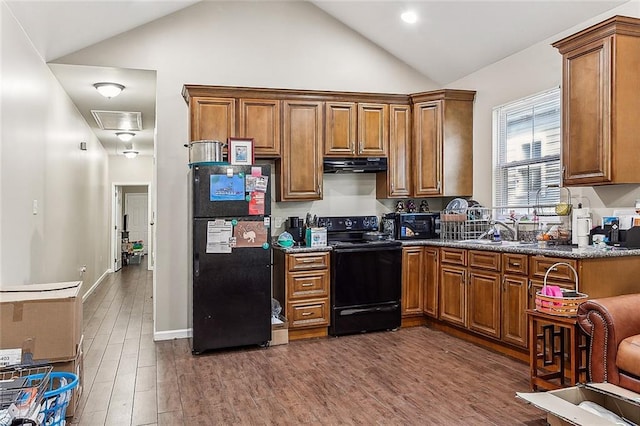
x,y
75,366
562,405
43,319
316,237
280,333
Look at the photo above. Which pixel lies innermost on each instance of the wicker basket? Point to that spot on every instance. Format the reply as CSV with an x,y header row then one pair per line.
x,y
565,306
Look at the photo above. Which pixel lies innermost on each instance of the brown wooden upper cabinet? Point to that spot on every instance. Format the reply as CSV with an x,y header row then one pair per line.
x,y
397,181
443,143
601,103
356,129
212,118
299,171
260,120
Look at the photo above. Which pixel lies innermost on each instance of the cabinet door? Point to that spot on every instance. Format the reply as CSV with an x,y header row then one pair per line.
x,y
427,148
453,294
586,148
514,304
431,275
484,302
299,172
397,181
212,118
373,129
412,278
340,129
260,120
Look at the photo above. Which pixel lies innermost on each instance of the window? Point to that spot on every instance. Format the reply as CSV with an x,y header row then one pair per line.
x,y
527,151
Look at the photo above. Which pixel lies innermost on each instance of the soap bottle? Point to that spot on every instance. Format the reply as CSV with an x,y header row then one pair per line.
x,y
496,234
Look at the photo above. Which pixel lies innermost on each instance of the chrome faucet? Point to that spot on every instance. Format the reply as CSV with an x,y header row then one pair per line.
x,y
511,234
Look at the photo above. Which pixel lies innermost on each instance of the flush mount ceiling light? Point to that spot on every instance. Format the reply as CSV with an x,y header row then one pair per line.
x,y
130,153
109,90
409,17
125,136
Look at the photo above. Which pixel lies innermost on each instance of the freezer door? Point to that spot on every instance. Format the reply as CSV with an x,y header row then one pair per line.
x,y
223,191
231,294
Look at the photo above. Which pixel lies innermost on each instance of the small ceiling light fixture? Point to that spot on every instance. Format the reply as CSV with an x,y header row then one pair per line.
x,y
125,136
130,153
410,17
109,90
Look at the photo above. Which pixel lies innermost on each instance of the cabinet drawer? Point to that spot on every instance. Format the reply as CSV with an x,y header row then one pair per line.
x,y
453,256
484,260
513,263
305,261
540,264
309,313
308,284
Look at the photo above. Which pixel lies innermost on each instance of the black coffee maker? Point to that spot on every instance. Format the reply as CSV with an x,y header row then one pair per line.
x,y
295,226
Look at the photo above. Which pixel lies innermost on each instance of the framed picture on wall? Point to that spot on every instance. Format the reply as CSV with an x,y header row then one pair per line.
x,y
241,151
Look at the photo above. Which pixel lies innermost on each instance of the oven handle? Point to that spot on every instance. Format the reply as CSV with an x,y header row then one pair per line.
x,y
356,311
363,249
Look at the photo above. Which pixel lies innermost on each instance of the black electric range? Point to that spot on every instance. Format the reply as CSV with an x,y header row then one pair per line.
x,y
366,275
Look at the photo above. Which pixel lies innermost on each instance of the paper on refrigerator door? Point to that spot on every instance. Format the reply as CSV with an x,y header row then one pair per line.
x,y
219,234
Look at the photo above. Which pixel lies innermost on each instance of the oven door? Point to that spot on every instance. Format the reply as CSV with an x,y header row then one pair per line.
x,y
366,289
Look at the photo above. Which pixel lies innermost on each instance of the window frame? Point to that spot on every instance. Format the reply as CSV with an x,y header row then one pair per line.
x,y
500,146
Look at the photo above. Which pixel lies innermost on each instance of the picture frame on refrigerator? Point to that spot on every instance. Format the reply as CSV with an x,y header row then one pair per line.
x,y
240,151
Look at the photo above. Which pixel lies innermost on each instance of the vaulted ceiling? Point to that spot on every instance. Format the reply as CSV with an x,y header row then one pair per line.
x,y
451,38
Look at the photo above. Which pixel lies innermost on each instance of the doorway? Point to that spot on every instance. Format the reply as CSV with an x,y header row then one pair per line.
x,y
131,223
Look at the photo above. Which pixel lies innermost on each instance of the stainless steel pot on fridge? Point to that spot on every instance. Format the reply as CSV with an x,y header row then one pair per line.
x,y
205,151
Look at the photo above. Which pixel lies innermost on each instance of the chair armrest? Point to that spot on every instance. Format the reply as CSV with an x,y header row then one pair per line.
x,y
608,321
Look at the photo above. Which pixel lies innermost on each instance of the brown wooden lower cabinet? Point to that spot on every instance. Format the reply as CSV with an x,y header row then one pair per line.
x,y
301,285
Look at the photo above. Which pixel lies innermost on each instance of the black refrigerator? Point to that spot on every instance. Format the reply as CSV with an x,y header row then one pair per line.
x,y
230,256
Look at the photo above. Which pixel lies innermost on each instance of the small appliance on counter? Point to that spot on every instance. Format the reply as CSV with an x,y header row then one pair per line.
x,y
412,226
295,226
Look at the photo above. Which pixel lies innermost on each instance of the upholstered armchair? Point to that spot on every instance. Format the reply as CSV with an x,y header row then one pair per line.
x,y
613,325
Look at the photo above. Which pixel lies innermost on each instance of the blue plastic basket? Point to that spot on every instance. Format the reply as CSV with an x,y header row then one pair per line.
x,y
57,398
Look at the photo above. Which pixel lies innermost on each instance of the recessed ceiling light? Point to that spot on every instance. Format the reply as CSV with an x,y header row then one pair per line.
x,y
409,17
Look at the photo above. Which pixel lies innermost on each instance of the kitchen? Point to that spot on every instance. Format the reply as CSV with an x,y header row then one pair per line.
x,y
537,67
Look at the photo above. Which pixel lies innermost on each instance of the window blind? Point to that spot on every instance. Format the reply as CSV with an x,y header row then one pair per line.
x,y
527,151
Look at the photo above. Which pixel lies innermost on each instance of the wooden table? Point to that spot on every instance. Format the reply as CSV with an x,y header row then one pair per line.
x,y
557,351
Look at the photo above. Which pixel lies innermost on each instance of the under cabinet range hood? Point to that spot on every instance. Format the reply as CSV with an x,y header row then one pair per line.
x,y
355,165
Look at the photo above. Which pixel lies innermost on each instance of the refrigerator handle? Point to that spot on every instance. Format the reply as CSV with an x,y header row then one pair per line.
x,y
196,265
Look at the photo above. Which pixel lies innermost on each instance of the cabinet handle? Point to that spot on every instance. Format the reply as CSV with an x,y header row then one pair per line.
x,y
307,284
514,264
438,187
309,260
306,314
392,187
319,191
353,147
360,147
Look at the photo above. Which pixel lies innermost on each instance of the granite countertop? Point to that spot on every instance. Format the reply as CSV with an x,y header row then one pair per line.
x,y
300,249
566,251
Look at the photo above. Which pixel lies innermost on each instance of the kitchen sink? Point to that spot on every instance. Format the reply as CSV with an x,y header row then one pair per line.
x,y
503,243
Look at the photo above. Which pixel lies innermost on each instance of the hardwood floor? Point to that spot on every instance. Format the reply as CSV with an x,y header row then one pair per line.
x,y
412,376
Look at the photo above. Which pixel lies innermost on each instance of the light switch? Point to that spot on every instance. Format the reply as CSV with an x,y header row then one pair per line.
x,y
35,206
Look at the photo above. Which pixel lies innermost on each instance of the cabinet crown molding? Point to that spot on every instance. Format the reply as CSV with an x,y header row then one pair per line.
x,y
623,25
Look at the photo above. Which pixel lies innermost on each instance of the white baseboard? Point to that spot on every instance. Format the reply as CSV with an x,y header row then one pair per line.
x,y
171,334
95,285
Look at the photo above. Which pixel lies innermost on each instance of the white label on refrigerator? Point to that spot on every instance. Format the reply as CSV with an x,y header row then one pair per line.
x,y
219,233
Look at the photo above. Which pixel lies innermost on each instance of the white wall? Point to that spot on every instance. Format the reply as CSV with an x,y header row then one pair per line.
x,y
533,70
260,44
41,161
123,170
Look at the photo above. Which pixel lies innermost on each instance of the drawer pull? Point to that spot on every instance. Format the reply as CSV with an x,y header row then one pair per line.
x,y
310,260
306,314
307,284
515,264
